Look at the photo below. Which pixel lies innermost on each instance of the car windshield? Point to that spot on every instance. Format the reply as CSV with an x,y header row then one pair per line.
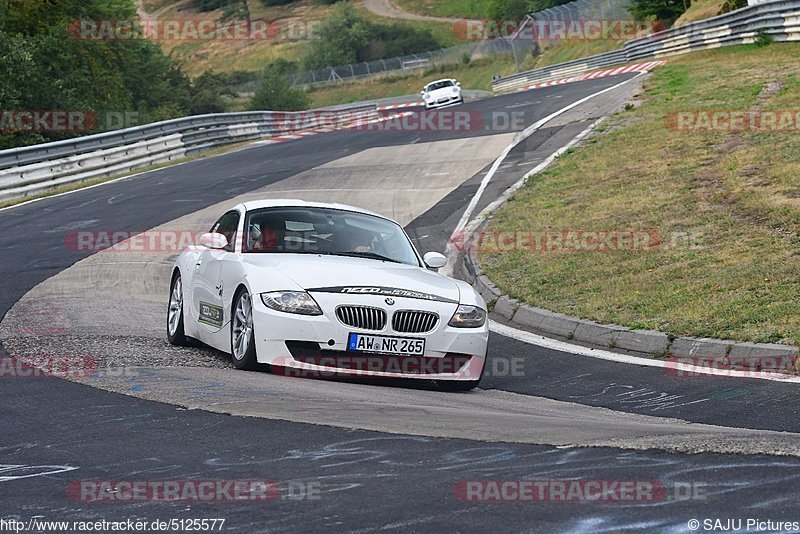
x,y
439,85
326,231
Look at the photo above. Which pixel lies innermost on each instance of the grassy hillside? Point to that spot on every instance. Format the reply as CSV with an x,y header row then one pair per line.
x,y
699,10
472,9
298,17
231,55
726,204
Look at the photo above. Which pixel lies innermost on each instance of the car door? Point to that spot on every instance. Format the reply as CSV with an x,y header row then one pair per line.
x,y
207,286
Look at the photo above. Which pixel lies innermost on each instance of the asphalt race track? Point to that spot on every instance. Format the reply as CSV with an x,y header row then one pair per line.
x,y
381,456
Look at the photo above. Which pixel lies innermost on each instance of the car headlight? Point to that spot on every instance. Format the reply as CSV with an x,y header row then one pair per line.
x,y
427,97
291,302
455,89
468,317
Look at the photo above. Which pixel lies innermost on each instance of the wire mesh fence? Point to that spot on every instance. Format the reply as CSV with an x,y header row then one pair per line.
x,y
421,61
577,10
586,10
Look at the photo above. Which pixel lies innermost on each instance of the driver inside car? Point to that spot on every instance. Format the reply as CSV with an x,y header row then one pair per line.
x,y
267,235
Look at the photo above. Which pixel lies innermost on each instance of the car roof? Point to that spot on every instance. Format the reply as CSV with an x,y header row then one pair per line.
x,y
297,203
442,80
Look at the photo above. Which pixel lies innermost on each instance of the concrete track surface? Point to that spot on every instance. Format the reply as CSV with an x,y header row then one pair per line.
x,y
382,455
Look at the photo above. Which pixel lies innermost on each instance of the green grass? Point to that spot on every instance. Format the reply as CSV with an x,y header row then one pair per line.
x,y
471,9
699,10
559,52
735,196
443,32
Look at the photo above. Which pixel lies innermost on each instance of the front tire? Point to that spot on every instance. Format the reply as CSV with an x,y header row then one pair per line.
x,y
243,342
463,385
175,331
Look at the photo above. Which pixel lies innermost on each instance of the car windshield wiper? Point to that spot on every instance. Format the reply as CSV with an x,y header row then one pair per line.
x,y
371,255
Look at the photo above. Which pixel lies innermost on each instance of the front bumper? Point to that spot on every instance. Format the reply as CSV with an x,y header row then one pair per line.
x,y
444,101
317,345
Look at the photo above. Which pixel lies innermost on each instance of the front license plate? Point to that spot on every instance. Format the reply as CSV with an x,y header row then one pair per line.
x,y
386,345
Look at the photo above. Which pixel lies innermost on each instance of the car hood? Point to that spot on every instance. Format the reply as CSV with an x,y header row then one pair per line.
x,y
342,274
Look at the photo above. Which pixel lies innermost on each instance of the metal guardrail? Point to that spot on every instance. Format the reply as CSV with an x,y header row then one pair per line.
x,y
778,18
29,170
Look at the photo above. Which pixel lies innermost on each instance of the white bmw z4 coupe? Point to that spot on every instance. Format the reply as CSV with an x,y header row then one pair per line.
x,y
316,289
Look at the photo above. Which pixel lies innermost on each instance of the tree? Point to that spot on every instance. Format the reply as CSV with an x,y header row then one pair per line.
x,y
52,69
339,39
345,37
275,93
666,11
207,93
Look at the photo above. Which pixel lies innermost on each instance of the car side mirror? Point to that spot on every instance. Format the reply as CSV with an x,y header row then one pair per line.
x,y
422,92
458,84
214,240
434,260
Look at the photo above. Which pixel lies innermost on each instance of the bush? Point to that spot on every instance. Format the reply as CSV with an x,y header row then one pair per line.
x,y
666,11
732,5
211,5
508,9
763,38
345,37
208,91
276,94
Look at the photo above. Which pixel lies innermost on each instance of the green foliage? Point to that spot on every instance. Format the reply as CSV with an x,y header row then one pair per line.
x,y
345,37
230,8
763,38
275,93
508,9
666,11
211,5
339,39
208,90
46,68
732,5
517,9
392,40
